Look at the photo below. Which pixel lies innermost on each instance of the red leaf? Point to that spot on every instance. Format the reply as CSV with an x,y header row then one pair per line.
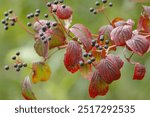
x,y
72,56
109,68
97,86
105,30
139,71
64,13
83,34
138,44
146,10
144,24
121,34
118,22
86,71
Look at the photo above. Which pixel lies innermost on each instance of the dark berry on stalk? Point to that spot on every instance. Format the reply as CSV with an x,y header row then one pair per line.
x,y
36,14
47,23
12,23
95,12
54,10
93,59
43,37
38,10
6,67
90,54
48,4
107,42
106,46
104,1
85,54
61,1
46,15
14,58
32,15
41,34
18,53
18,69
81,63
63,6
15,65
96,45
100,47
29,24
45,41
7,18
54,24
6,14
6,27
93,42
110,4
6,23
102,38
91,9
44,28
56,2
49,38
97,3
28,16
3,21
20,65
10,11
24,64
89,61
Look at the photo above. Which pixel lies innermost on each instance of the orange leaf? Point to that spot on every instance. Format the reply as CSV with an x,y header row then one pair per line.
x,y
41,72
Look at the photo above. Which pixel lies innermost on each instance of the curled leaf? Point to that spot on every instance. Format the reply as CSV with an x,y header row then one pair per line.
x,y
41,48
41,72
27,89
118,21
83,34
138,44
121,34
109,68
105,30
139,71
64,12
72,56
97,85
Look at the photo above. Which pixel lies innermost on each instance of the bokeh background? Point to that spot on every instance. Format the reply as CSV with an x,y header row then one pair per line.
x,y
64,85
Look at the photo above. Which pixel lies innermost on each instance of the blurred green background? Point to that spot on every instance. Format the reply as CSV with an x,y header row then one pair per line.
x,y
64,85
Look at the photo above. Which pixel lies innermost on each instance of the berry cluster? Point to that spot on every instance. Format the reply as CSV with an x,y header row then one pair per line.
x,y
18,64
9,19
100,6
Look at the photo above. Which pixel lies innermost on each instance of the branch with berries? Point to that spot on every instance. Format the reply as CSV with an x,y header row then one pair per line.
x,y
89,53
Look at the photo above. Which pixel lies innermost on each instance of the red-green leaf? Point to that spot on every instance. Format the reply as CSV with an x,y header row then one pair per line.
x,y
139,71
86,71
121,34
41,72
138,44
83,34
97,86
27,89
109,68
72,56
41,48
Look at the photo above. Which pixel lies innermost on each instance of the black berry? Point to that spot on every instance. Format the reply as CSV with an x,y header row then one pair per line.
x,y
10,11
85,54
81,63
46,15
56,2
89,61
29,24
97,3
14,58
91,9
93,59
38,10
3,21
101,38
107,42
106,46
24,64
104,1
6,67
6,27
110,4
49,4
17,53
96,45
90,54
6,14
61,1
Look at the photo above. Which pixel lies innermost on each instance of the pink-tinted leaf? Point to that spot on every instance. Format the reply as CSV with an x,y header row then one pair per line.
x,y
41,72
83,34
86,71
121,34
97,86
41,48
72,56
144,24
139,71
38,25
138,44
146,10
105,30
64,13
109,68
27,92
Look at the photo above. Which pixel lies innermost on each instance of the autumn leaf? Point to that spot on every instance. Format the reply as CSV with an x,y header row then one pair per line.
x,y
72,56
83,34
41,72
97,85
139,72
27,89
138,44
86,71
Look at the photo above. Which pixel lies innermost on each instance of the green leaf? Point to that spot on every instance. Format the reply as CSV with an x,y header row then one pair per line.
x,y
41,72
41,48
27,89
